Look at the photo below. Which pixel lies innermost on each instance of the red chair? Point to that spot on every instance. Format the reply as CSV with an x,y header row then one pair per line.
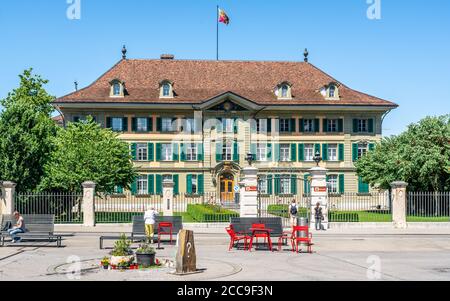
x,y
162,231
236,237
296,240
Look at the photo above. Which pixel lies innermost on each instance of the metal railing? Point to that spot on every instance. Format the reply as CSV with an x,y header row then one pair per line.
x,y
66,206
360,208
428,207
278,206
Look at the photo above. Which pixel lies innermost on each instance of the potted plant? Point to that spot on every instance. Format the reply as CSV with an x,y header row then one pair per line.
x,y
145,256
122,255
105,263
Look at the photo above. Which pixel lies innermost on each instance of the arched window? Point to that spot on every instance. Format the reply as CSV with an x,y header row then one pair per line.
x,y
332,91
285,91
166,90
116,89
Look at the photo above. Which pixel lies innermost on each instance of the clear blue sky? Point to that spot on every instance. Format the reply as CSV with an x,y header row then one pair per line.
x,y
404,57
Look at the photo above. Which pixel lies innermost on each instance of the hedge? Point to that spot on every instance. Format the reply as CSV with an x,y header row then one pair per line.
x,y
283,211
210,213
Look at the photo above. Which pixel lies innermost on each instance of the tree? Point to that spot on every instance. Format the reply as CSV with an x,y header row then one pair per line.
x,y
420,157
86,152
26,129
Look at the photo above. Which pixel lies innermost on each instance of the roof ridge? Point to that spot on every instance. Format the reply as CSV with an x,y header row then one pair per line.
x,y
218,61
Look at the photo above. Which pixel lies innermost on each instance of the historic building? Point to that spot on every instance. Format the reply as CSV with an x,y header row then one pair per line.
x,y
196,121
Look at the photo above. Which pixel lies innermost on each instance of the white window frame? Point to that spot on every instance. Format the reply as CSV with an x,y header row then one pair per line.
x,y
142,152
285,125
363,125
333,152
117,89
262,185
167,152
227,151
194,184
285,152
190,126
285,184
142,124
363,148
166,87
261,125
333,125
308,125
191,152
115,122
142,185
167,177
228,125
309,152
333,184
261,152
167,125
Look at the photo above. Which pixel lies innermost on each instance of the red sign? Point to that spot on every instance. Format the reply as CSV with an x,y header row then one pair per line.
x,y
251,188
320,189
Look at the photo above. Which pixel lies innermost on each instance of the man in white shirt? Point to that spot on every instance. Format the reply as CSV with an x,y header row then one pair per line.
x,y
150,221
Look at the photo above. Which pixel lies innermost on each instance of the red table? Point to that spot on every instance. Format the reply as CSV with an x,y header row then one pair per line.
x,y
261,233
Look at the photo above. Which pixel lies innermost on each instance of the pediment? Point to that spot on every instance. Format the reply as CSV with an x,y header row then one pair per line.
x,y
229,102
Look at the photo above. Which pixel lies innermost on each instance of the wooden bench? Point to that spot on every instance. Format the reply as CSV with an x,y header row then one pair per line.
x,y
39,227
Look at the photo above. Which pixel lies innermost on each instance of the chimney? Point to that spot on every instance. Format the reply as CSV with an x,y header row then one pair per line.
x,y
167,56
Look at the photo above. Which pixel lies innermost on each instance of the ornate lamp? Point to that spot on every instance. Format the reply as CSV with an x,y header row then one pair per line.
x,y
250,159
317,158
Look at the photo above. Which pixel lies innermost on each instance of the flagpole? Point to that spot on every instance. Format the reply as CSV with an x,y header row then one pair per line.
x,y
217,21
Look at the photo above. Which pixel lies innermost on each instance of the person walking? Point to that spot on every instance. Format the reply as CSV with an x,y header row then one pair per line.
x,y
18,228
293,213
318,214
150,221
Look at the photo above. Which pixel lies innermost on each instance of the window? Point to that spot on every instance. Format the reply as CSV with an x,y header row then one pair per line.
x,y
332,91
167,152
262,185
191,152
166,90
332,152
285,152
333,126
309,125
167,178
285,91
261,152
362,149
309,152
142,152
142,124
261,125
167,125
227,153
117,124
285,125
194,184
190,126
363,125
142,185
333,184
285,184
228,125
116,89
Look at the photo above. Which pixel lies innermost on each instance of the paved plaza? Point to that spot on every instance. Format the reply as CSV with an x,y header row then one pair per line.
x,y
338,255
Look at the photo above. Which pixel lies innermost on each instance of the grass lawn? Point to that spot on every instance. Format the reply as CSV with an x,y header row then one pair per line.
x,y
360,217
126,217
428,219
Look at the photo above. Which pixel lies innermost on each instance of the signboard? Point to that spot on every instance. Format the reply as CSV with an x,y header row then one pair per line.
x,y
237,188
320,189
251,188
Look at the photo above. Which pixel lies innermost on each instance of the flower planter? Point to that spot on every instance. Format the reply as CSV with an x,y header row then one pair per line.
x,y
116,260
145,260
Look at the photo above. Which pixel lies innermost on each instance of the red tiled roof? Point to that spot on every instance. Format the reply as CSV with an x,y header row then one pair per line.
x,y
198,81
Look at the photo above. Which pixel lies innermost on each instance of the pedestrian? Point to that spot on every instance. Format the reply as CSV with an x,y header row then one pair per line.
x,y
150,221
318,214
293,212
18,228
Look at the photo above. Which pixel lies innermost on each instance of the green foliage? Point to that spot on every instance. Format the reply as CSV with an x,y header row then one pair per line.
x,y
145,249
210,213
420,157
26,129
85,151
122,247
283,211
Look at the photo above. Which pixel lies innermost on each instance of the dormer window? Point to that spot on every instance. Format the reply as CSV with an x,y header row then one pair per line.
x,y
117,88
166,89
331,92
283,91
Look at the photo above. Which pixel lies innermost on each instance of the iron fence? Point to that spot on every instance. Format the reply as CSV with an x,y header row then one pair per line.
x,y
428,206
278,206
360,208
66,206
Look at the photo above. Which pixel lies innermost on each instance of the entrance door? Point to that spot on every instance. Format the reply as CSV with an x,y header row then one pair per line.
x,y
227,188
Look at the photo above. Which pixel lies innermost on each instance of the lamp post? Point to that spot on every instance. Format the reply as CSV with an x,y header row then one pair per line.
x,y
250,159
317,158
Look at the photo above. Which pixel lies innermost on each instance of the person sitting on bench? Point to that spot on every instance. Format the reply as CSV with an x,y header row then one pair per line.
x,y
150,221
18,228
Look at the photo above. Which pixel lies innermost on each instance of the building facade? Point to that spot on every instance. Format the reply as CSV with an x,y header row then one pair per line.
x,y
195,122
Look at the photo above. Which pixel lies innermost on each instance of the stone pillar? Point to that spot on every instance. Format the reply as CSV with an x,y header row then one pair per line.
x,y
168,186
7,197
319,194
249,192
399,204
88,204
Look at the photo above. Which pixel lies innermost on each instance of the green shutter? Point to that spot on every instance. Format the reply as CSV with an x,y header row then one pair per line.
x,y
355,152
317,125
341,183
200,150
134,151
294,152
159,124
277,153
159,185
325,152
325,125
371,125
158,151
201,184
134,187
362,187
151,184
183,152
341,152
150,124
269,152
277,184
301,152
176,152
292,127
294,184
189,184
301,124
307,188
236,152
371,146
316,149
125,124
134,124
269,126
119,190
341,125
355,125
108,122
151,152
176,181
219,152
270,184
